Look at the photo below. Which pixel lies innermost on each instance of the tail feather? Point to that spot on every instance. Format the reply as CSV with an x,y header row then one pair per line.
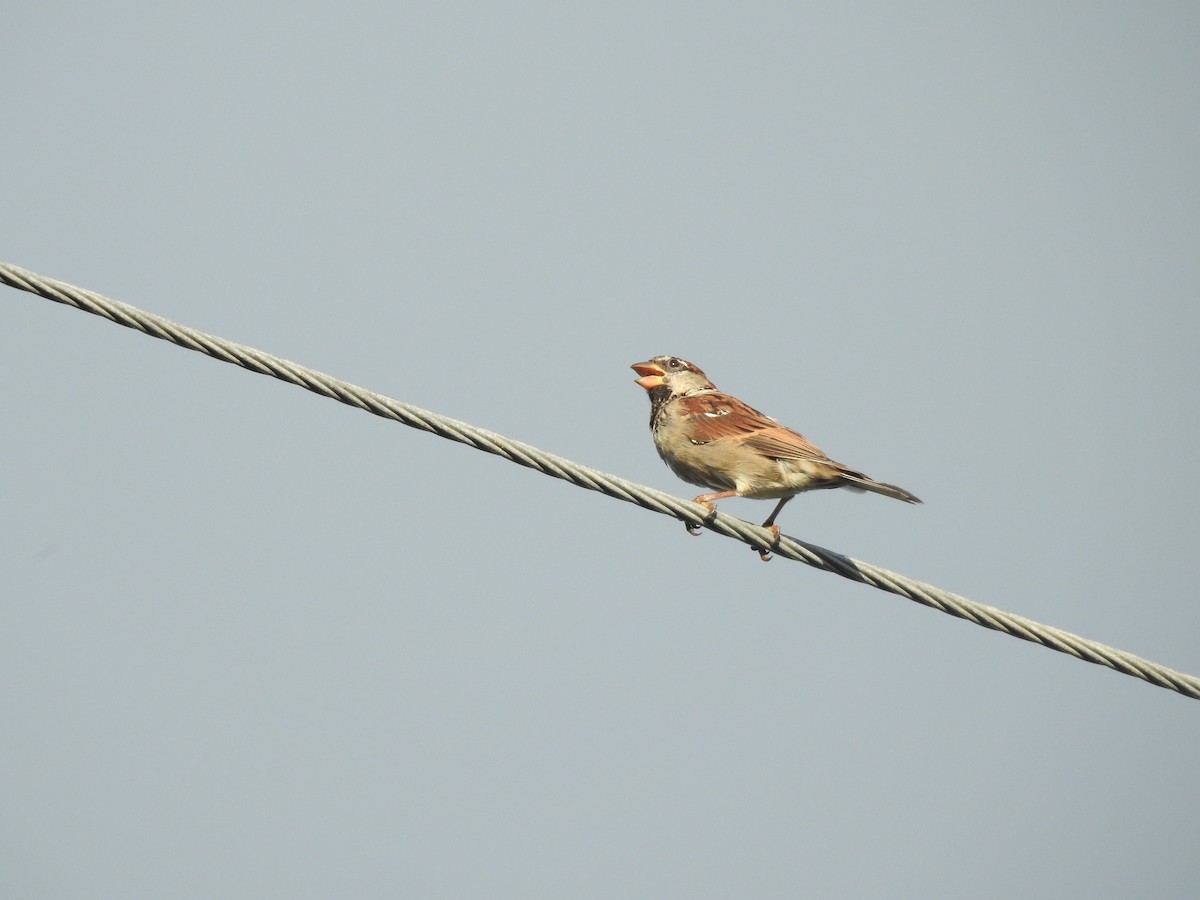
x,y
859,482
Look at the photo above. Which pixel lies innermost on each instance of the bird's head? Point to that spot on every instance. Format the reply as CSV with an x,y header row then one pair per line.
x,y
671,374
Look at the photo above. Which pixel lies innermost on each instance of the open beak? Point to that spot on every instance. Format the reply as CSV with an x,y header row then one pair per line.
x,y
652,375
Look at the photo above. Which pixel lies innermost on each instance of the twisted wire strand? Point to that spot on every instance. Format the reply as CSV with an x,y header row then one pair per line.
x,y
595,480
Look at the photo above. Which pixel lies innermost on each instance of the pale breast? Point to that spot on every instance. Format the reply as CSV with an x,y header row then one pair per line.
x,y
695,464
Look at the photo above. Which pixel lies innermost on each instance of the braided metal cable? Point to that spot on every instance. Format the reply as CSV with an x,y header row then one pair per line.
x,y
595,480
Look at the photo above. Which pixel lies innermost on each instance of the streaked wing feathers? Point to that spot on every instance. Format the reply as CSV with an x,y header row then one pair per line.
x,y
714,416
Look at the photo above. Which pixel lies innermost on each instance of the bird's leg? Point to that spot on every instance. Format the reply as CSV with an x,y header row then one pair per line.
x,y
707,500
765,555
770,523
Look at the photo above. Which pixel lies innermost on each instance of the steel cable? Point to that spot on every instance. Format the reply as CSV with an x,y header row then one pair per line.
x,y
593,479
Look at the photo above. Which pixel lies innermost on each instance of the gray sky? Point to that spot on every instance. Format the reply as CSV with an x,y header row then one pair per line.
x,y
257,644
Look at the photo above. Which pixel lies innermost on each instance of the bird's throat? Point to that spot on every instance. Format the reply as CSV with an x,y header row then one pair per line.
x,y
659,397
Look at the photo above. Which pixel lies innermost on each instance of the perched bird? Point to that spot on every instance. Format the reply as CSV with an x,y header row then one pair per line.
x,y
716,441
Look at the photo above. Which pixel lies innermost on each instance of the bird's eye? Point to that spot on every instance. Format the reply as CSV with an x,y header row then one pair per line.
x,y
674,363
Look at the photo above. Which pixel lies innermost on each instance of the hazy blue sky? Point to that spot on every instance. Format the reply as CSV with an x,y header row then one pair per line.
x,y
257,644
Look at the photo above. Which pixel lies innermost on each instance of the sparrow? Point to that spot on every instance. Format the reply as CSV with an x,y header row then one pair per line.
x,y
711,439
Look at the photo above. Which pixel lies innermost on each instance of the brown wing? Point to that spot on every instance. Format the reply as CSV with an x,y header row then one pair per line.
x,y
715,416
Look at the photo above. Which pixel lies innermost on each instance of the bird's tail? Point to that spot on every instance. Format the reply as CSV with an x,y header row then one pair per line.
x,y
860,482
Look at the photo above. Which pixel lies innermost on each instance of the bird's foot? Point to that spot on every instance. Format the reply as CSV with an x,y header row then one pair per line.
x,y
694,530
765,555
